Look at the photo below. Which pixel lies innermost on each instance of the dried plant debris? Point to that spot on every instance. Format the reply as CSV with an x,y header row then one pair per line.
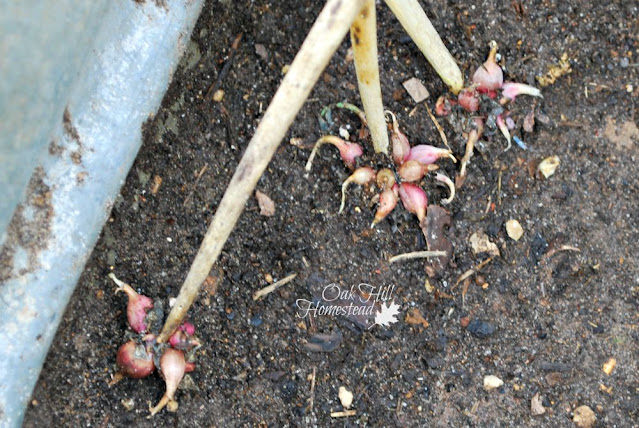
x,y
416,89
434,229
555,72
480,243
548,166
415,317
266,204
536,406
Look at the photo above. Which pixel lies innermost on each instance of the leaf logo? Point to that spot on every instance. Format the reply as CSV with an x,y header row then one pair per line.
x,y
387,315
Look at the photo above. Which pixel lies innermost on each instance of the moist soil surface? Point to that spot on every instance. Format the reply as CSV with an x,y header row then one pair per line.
x,y
544,314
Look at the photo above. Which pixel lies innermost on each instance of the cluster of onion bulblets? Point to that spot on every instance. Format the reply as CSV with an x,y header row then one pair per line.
x,y
487,98
411,165
141,355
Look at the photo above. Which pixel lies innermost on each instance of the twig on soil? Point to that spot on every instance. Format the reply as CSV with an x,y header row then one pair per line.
x,y
364,42
438,126
197,180
225,68
271,288
471,271
499,187
312,397
414,20
343,414
320,44
416,255
554,251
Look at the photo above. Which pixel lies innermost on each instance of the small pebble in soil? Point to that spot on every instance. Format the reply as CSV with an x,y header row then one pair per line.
x,y
584,417
345,397
481,329
256,320
128,403
492,382
609,366
436,363
514,229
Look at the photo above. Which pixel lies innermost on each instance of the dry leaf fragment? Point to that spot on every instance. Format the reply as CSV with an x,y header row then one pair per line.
x,y
414,316
416,89
514,229
481,244
529,121
435,230
536,408
492,382
267,206
548,166
609,366
584,417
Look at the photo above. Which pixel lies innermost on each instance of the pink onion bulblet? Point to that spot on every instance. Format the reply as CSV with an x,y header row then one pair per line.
x,y
411,171
444,106
511,90
172,366
489,77
134,360
362,175
137,307
469,99
414,200
184,337
425,154
399,142
387,203
348,151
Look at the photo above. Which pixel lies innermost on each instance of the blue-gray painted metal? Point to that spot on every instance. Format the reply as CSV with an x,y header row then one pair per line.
x,y
78,79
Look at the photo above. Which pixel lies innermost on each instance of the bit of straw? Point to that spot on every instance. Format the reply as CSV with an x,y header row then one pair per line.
x,y
271,288
554,251
416,255
438,126
412,17
318,48
364,42
343,414
471,271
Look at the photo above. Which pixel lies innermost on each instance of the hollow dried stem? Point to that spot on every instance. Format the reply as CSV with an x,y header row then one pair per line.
x,y
364,41
416,255
270,288
320,44
419,28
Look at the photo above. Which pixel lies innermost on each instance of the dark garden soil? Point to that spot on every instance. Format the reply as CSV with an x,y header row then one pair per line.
x,y
540,316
